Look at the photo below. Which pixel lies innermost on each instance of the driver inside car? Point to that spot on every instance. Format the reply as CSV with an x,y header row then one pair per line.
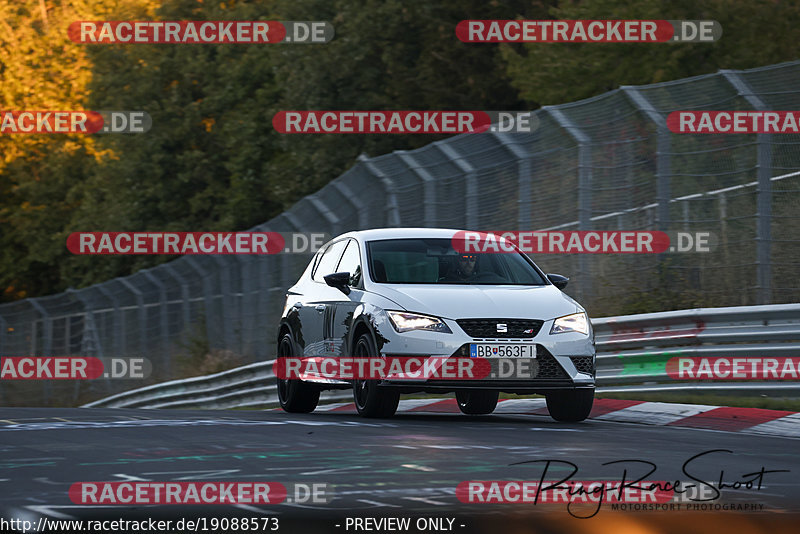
x,y
463,270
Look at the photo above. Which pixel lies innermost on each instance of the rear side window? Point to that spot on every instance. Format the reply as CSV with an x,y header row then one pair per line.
x,y
329,260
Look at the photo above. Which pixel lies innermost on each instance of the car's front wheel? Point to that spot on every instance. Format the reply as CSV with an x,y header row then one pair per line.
x,y
372,400
571,405
295,396
477,402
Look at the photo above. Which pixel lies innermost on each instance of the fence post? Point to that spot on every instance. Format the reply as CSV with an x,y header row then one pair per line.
x,y
228,316
119,321
47,337
90,330
523,179
663,151
471,214
3,334
162,319
428,187
763,192
47,341
285,268
249,306
3,351
325,211
207,297
392,210
88,324
141,312
584,189
355,201
185,306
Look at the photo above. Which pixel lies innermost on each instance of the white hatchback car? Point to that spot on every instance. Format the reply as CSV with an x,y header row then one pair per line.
x,y
404,292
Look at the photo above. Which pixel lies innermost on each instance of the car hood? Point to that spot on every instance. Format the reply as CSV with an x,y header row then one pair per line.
x,y
474,301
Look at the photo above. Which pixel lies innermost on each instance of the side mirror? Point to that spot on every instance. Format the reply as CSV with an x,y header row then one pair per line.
x,y
557,280
340,281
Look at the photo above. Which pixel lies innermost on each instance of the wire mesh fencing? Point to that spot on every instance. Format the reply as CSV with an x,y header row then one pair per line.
x,y
605,163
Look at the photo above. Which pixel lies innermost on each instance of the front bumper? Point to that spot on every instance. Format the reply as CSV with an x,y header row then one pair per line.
x,y
567,358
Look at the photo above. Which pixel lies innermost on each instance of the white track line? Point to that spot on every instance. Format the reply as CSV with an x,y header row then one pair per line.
x,y
655,413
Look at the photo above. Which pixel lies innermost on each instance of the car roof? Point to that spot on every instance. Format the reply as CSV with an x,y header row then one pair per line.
x,y
398,233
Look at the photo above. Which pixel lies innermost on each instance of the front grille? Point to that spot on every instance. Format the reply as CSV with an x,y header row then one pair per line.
x,y
487,328
583,364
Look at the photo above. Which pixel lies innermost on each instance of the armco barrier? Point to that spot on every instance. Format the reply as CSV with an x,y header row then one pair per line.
x,y
632,351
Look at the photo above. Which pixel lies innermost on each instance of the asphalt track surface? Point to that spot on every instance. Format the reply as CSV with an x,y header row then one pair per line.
x,y
408,465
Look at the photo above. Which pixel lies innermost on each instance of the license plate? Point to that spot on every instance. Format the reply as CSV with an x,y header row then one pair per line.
x,y
484,350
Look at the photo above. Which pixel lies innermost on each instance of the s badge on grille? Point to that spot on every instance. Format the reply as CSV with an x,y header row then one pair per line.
x,y
502,327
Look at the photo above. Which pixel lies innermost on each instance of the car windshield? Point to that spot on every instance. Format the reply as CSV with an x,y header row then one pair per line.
x,y
435,261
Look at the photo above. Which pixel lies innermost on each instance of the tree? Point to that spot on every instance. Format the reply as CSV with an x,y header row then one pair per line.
x,y
755,33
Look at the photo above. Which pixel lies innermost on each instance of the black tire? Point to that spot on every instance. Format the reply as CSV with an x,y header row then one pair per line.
x,y
370,399
295,396
477,402
570,405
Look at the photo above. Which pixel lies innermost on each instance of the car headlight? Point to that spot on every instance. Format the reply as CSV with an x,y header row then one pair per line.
x,y
404,322
577,322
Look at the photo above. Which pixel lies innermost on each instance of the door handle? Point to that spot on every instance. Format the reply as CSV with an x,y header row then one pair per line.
x,y
320,308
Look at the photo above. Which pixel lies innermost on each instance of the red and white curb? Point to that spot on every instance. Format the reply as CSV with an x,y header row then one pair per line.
x,y
743,420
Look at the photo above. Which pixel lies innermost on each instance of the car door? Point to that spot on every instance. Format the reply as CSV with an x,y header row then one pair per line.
x,y
345,305
317,311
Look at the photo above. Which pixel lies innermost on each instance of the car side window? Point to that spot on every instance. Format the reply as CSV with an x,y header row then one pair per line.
x,y
329,260
351,263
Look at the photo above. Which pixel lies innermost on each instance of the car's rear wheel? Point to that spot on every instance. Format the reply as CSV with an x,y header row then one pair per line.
x,y
372,400
570,405
477,402
295,396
